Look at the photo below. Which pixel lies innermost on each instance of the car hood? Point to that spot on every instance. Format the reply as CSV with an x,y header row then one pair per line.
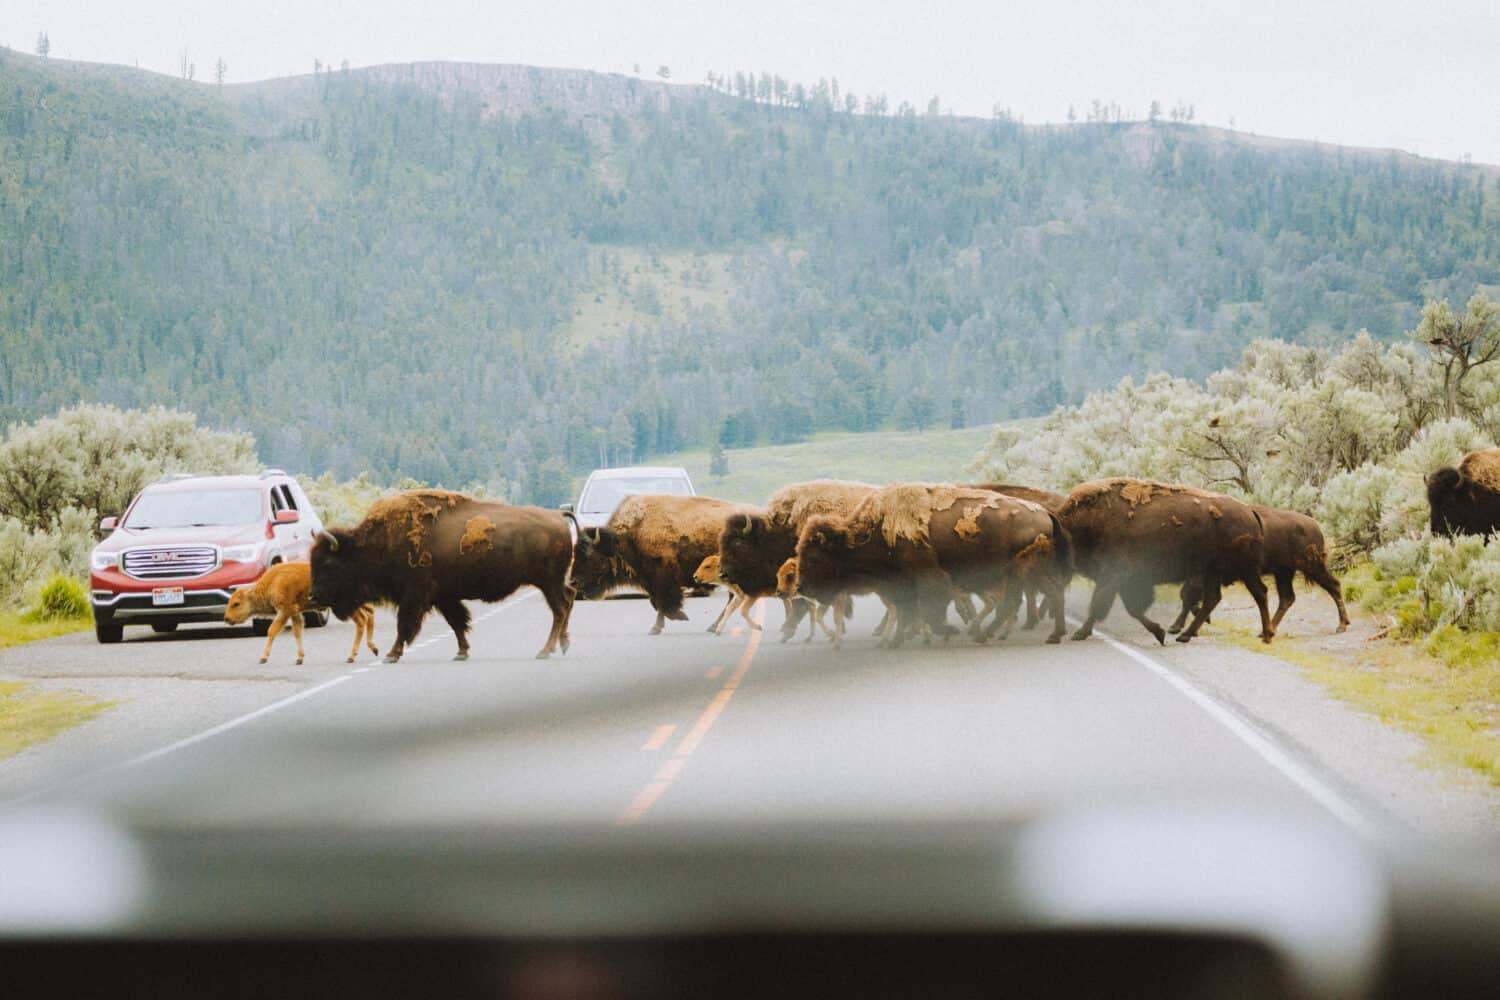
x,y
216,534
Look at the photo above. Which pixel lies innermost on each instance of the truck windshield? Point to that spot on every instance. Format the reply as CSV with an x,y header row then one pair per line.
x,y
603,495
183,510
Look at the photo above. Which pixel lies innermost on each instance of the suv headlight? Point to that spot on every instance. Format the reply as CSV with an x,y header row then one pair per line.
x,y
243,553
104,560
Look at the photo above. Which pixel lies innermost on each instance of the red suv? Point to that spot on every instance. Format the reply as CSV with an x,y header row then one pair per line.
x,y
186,543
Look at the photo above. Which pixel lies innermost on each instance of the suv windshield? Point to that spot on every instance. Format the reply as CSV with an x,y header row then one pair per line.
x,y
184,510
603,495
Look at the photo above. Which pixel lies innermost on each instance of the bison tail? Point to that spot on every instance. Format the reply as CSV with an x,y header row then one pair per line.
x,y
1062,547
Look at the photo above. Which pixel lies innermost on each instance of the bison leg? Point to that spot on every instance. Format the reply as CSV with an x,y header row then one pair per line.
x,y
977,631
272,633
1138,596
1008,608
747,605
296,617
457,617
364,625
964,605
1286,596
561,604
838,624
661,621
729,607
1032,617
795,611
1257,588
1191,594
1056,595
1102,599
1212,592
1318,573
409,615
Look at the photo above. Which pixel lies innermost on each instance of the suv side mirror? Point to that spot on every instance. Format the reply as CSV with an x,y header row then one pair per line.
x,y
109,524
565,506
287,517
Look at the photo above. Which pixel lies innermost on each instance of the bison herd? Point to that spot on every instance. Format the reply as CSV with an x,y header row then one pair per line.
x,y
983,550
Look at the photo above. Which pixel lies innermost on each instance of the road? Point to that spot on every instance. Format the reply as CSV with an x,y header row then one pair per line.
x,y
630,729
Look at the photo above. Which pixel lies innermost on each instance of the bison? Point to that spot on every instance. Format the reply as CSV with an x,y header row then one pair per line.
x,y
1048,499
653,543
430,549
1466,500
1130,534
1293,544
753,546
709,573
917,544
285,590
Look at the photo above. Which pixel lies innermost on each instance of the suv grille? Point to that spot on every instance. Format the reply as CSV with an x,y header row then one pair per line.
x,y
170,563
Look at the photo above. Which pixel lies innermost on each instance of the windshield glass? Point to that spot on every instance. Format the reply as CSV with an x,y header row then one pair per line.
x,y
188,510
603,495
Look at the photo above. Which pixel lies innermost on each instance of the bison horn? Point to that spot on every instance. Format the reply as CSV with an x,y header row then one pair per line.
x,y
333,543
749,526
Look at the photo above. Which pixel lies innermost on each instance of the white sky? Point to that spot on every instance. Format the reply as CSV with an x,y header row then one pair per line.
x,y
1424,77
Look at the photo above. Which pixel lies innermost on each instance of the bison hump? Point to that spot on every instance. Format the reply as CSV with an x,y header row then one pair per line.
x,y
1483,468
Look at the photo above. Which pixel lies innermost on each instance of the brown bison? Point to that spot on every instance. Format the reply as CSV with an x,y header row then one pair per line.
x,y
1466,500
434,549
1052,501
753,545
1131,534
708,572
285,590
653,543
917,544
1293,544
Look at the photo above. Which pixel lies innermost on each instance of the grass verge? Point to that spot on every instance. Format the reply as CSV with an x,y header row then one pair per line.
x,y
1445,688
14,629
28,716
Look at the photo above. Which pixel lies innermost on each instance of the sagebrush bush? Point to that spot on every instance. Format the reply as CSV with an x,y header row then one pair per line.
x,y
61,598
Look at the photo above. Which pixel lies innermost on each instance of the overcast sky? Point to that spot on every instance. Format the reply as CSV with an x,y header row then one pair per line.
x,y
1423,77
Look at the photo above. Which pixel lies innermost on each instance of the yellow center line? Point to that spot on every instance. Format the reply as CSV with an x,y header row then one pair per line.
x,y
659,737
669,771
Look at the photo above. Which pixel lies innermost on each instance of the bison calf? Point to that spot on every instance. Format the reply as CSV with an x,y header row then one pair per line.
x,y
285,591
709,573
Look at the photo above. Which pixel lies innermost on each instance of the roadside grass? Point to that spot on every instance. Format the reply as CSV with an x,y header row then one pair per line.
x,y
28,717
872,456
1445,687
16,628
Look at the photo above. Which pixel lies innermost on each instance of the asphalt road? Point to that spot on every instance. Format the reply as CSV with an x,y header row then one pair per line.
x,y
631,729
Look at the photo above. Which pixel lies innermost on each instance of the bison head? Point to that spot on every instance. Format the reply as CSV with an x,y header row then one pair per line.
x,y
240,608
751,549
708,570
822,557
340,581
598,566
1443,488
786,579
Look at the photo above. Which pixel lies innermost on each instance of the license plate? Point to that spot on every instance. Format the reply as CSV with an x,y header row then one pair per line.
x,y
166,595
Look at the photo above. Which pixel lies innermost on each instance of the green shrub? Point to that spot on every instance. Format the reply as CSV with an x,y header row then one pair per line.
x,y
61,597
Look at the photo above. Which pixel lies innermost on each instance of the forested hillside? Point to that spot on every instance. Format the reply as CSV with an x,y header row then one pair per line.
x,y
499,274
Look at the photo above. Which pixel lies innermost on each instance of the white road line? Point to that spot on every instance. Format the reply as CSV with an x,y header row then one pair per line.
x,y
224,727
1293,770
181,744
